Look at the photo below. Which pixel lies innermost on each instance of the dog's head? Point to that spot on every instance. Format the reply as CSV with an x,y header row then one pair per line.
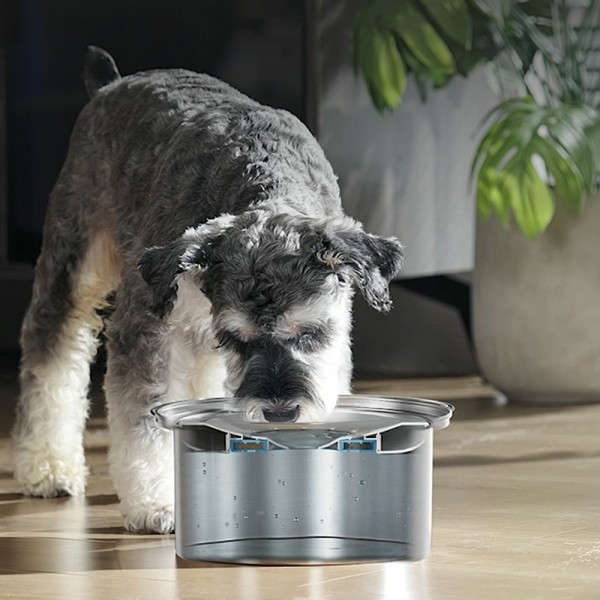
x,y
281,290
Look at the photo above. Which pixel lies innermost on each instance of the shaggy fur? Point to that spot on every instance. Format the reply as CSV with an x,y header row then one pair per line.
x,y
216,225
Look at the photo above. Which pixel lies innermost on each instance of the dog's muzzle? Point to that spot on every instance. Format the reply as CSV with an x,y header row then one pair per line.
x,y
276,382
282,416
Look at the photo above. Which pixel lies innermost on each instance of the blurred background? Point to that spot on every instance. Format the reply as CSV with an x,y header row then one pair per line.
x,y
398,113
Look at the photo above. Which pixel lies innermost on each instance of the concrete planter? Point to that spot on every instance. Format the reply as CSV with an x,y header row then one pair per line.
x,y
536,308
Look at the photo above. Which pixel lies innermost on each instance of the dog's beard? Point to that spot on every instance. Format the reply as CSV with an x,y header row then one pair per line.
x,y
309,413
253,408
245,384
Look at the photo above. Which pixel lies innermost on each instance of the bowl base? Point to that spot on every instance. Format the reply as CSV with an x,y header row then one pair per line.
x,y
302,551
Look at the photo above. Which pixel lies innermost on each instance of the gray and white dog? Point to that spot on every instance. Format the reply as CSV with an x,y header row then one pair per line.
x,y
215,225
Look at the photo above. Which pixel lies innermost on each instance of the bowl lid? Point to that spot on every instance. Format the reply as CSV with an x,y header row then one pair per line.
x,y
354,416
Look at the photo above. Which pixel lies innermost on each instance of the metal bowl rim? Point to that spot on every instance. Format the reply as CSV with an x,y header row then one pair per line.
x,y
436,412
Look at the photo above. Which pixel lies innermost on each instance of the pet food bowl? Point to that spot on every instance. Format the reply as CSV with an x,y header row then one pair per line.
x,y
354,488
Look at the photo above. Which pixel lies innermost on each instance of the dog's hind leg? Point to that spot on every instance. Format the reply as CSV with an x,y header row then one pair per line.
x,y
74,273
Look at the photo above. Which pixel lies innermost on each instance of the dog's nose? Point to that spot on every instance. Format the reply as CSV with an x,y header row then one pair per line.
x,y
281,416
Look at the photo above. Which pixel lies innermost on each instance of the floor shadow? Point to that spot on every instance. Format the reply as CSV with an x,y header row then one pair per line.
x,y
472,460
12,504
182,563
487,408
97,423
114,531
60,554
102,500
11,496
100,449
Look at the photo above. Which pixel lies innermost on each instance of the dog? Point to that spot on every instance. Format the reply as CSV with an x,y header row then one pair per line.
x,y
213,227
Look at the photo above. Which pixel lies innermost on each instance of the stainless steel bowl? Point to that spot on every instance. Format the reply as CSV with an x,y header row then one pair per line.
x,y
356,487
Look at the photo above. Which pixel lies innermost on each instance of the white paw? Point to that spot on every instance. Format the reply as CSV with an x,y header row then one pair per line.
x,y
151,518
50,476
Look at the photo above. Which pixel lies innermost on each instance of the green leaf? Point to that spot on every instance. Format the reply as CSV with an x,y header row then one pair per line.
x,y
438,78
501,135
569,127
420,37
544,43
565,139
376,56
491,194
532,204
467,60
592,132
566,174
498,10
453,18
537,8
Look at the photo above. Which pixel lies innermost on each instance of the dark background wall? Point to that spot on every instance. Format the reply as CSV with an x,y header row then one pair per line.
x,y
268,49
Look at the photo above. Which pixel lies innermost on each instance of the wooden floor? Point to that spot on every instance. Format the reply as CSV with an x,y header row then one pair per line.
x,y
516,517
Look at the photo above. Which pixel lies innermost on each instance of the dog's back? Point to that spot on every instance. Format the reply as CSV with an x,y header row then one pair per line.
x,y
182,147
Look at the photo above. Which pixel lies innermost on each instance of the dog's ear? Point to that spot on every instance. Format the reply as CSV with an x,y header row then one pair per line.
x,y
370,260
161,266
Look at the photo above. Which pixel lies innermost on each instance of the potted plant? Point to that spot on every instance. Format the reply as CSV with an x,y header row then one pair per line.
x,y
536,281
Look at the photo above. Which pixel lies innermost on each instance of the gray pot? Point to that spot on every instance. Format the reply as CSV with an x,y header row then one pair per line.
x,y
536,321
355,488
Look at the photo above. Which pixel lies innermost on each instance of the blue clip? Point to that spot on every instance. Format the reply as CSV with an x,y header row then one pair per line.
x,y
358,445
248,445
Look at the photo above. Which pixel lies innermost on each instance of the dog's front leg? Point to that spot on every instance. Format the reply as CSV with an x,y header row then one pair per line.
x,y
141,454
141,465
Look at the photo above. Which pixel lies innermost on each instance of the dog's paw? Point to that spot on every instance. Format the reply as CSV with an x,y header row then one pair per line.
x,y
152,518
48,477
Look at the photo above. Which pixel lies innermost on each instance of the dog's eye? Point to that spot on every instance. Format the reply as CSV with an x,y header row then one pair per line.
x,y
227,339
310,339
306,341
